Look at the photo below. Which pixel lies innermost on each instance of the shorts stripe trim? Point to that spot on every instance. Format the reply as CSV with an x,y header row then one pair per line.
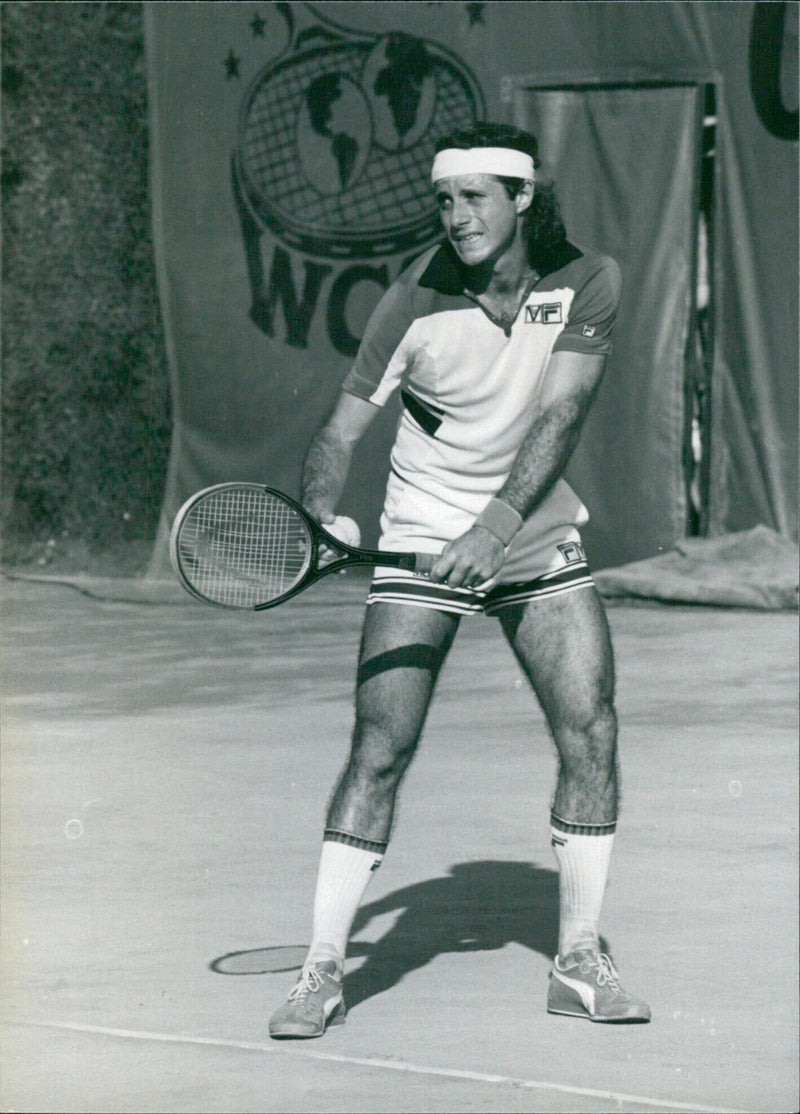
x,y
539,593
415,589
412,589
433,603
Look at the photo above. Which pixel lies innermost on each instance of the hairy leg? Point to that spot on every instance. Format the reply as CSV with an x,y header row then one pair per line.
x,y
564,647
402,650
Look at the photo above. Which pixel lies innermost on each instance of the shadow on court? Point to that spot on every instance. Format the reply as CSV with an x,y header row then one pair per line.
x,y
479,906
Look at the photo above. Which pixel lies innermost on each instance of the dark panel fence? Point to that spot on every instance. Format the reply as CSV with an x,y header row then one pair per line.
x,y
85,386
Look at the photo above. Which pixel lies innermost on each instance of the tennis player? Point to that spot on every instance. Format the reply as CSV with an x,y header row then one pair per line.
x,y
497,340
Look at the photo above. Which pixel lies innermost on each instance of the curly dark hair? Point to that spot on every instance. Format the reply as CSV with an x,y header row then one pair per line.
x,y
543,227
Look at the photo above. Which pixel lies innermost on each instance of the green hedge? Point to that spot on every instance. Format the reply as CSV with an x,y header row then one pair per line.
x,y
85,394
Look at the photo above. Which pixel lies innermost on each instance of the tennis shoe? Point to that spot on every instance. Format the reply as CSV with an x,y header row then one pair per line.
x,y
586,984
315,1002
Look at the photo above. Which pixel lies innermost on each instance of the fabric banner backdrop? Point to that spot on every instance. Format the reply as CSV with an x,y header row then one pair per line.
x,y
290,153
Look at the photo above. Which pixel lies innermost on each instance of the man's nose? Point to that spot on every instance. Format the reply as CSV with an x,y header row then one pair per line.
x,y
459,214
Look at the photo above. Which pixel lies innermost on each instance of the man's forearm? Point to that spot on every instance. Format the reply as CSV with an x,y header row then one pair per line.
x,y
477,555
540,461
330,452
542,457
325,471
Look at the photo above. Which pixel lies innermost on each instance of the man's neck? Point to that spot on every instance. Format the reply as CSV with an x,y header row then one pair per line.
x,y
503,277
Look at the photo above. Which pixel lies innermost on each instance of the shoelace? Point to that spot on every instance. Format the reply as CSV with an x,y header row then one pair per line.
x,y
606,973
308,983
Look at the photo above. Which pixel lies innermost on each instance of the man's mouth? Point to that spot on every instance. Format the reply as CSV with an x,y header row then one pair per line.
x,y
467,237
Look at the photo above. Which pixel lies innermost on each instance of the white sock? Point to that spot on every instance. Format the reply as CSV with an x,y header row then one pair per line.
x,y
583,853
345,869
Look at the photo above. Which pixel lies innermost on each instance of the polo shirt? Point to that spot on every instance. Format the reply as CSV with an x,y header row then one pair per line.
x,y
471,387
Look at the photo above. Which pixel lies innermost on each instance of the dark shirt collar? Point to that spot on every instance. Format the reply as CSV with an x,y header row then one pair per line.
x,y
446,274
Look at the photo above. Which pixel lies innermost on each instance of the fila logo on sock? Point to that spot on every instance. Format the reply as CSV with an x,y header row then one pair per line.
x,y
375,866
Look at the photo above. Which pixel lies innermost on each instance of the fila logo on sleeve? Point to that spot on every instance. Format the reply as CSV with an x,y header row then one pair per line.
x,y
548,313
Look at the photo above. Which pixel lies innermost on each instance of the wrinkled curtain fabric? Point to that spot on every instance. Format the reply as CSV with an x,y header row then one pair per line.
x,y
625,163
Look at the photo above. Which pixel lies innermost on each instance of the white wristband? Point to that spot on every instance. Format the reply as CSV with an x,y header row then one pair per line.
x,y
500,519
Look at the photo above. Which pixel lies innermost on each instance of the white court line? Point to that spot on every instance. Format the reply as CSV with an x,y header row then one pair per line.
x,y
386,1065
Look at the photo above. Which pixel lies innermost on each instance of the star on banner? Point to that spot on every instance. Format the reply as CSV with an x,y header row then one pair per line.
x,y
257,25
475,13
231,65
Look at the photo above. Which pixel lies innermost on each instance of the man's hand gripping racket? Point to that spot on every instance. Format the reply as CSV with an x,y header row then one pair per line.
x,y
243,545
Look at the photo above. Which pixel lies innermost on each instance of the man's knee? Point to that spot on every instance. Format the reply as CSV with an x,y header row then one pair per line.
x,y
587,734
381,749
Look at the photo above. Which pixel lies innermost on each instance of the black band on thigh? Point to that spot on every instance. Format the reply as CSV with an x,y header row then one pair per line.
x,y
570,827
334,836
417,655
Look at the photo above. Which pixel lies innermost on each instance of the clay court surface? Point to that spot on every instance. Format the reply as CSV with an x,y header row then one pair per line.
x,y
165,772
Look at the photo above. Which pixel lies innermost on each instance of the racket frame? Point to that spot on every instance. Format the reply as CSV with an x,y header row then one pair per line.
x,y
318,536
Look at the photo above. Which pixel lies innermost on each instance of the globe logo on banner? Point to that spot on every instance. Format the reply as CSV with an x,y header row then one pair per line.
x,y
336,141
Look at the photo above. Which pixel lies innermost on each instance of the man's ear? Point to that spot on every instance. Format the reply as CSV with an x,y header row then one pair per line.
x,y
524,197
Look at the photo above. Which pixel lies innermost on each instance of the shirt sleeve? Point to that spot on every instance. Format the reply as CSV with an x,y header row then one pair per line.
x,y
593,311
382,357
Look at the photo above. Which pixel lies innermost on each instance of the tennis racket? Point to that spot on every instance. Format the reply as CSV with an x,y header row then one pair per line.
x,y
243,545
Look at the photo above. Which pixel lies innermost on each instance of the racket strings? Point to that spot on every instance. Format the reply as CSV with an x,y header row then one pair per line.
x,y
244,547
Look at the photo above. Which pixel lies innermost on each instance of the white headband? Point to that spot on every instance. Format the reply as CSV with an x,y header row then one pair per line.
x,y
502,161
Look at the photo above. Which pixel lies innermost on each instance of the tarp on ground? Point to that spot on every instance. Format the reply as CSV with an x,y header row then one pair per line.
x,y
752,568
290,146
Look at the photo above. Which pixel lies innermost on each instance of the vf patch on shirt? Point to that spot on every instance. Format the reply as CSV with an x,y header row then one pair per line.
x,y
547,313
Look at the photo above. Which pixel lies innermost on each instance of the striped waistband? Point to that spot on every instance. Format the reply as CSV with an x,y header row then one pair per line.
x,y
401,586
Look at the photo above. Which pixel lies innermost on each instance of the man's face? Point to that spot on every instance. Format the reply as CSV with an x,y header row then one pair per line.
x,y
479,217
